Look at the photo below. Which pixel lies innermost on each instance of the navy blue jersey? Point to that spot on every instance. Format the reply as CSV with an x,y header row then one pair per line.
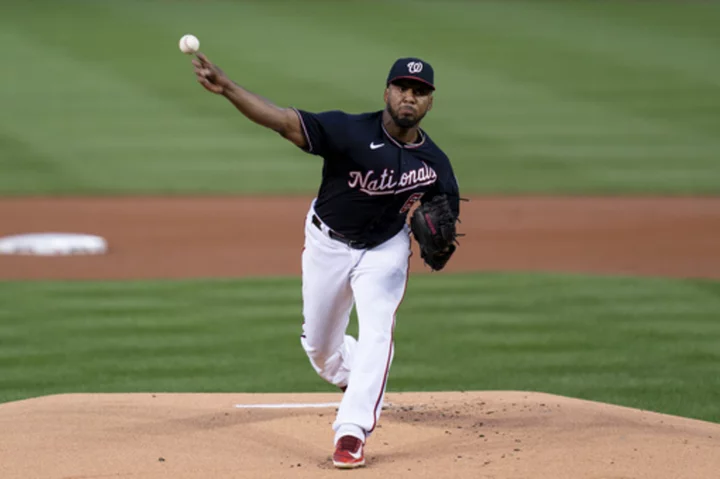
x,y
370,180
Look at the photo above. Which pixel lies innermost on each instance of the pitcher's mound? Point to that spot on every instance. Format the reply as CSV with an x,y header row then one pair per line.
x,y
434,435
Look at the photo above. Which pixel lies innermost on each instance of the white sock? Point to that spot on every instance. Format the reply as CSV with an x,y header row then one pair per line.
x,y
350,430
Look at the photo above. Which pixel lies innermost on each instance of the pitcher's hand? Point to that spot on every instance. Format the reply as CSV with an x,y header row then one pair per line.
x,y
210,76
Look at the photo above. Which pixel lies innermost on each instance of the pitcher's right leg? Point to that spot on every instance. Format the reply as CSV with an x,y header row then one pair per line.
x,y
327,303
379,282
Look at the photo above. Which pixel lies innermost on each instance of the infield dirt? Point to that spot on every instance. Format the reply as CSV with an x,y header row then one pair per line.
x,y
236,237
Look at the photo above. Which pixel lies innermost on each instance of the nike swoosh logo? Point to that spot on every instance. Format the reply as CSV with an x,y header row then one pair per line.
x,y
373,146
356,455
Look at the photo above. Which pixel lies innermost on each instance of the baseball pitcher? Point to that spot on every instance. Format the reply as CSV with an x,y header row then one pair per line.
x,y
376,167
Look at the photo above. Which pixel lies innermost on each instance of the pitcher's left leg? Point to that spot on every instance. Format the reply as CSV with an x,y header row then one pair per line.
x,y
378,281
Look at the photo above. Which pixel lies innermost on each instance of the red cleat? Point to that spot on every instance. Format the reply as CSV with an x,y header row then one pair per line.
x,y
349,453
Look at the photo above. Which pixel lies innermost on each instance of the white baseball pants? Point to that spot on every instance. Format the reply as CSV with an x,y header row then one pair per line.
x,y
334,277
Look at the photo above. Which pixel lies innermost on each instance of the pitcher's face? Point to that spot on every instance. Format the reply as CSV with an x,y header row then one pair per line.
x,y
408,101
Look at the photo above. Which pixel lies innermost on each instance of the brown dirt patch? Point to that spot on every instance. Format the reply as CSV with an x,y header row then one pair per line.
x,y
502,434
234,237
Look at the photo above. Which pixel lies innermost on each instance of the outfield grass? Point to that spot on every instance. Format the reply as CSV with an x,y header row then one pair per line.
x,y
646,343
534,96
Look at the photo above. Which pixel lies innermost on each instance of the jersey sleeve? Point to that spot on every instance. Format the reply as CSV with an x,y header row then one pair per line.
x,y
325,132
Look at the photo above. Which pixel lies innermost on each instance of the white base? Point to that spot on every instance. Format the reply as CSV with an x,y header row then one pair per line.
x,y
53,244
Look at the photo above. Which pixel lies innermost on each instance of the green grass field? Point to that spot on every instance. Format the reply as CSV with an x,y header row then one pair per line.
x,y
556,97
535,96
652,344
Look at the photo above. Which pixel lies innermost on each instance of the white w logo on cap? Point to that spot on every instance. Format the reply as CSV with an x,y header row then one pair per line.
x,y
415,67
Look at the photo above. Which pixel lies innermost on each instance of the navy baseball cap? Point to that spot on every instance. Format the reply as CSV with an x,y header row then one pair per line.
x,y
412,69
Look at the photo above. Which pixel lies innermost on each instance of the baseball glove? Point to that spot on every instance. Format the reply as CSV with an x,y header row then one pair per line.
x,y
433,226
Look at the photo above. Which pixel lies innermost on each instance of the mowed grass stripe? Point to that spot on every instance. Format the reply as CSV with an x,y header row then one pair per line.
x,y
552,149
518,118
618,33
551,97
605,339
573,112
122,336
109,135
526,95
649,343
226,153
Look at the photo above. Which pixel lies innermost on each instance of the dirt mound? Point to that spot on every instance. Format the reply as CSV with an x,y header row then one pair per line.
x,y
238,236
435,435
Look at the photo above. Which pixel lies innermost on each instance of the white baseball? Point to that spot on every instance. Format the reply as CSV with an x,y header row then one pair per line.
x,y
189,44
